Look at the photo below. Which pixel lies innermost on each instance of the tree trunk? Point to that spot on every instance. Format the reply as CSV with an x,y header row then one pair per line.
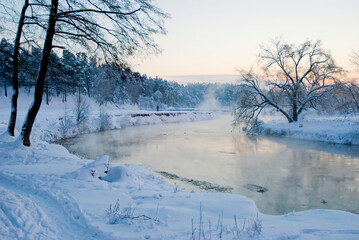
x,y
294,110
39,88
15,66
65,94
88,88
5,86
295,113
47,94
286,115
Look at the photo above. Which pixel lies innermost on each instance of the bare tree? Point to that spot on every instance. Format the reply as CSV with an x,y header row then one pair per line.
x,y
9,14
355,59
352,85
346,94
39,89
344,97
292,78
115,27
15,70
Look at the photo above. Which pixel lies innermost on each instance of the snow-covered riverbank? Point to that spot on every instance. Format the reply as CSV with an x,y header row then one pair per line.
x,y
47,193
325,128
58,120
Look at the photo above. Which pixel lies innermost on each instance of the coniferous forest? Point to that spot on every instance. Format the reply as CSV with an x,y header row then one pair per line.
x,y
106,82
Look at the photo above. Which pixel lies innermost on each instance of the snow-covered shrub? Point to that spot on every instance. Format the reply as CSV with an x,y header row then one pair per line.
x,y
116,214
81,111
113,213
254,227
105,120
66,124
256,127
203,229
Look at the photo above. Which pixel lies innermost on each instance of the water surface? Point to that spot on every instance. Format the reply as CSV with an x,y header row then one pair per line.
x,y
280,174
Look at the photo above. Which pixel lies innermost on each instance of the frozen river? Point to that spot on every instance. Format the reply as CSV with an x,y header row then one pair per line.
x,y
279,174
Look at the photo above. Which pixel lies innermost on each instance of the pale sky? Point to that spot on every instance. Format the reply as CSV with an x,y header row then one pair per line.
x,y
212,37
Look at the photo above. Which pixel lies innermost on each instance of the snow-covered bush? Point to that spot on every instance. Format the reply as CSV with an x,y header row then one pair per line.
x,y
81,111
82,114
254,227
66,124
116,214
105,120
205,230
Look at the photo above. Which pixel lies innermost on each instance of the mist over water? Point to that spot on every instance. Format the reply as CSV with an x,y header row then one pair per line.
x,y
219,78
209,101
279,174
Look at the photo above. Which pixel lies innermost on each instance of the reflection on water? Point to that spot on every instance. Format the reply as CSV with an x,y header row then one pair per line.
x,y
297,175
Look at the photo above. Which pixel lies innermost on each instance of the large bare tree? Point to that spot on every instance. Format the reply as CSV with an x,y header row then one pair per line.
x,y
115,28
291,78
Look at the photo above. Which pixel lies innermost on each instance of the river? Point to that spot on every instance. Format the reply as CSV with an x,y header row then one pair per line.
x,y
280,174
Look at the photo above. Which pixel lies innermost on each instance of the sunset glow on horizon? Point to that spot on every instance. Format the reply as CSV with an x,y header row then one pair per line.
x,y
207,37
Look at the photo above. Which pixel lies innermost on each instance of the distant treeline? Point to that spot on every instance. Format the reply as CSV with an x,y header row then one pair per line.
x,y
74,74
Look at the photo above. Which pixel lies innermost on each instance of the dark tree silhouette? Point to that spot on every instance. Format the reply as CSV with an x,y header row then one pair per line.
x,y
39,88
15,70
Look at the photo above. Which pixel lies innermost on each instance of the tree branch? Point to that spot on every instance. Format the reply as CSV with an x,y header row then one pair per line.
x,y
65,13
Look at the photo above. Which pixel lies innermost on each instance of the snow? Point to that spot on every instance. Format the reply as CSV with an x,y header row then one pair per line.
x,y
48,193
314,127
50,126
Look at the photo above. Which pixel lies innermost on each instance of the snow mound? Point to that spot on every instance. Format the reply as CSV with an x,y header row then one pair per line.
x,y
94,170
114,174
